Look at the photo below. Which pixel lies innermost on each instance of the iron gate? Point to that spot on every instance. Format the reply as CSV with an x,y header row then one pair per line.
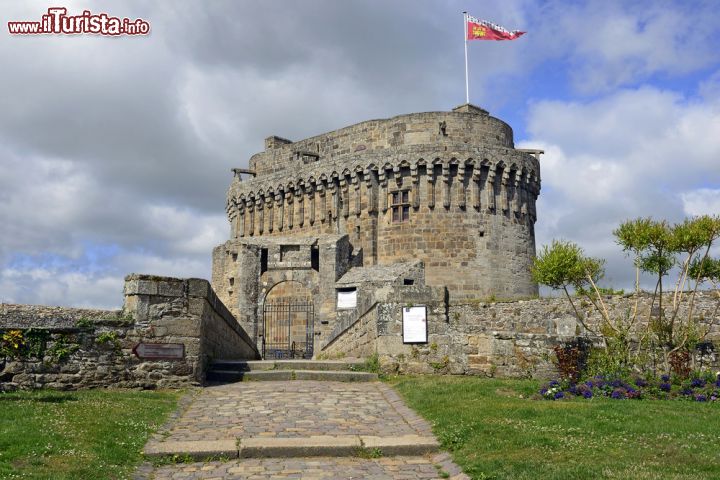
x,y
288,329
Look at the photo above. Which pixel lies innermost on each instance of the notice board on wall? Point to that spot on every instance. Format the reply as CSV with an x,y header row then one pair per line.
x,y
414,326
347,298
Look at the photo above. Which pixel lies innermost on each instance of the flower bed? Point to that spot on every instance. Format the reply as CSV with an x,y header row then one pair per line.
x,y
699,387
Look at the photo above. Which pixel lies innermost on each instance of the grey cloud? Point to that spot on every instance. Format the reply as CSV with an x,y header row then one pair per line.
x,y
129,141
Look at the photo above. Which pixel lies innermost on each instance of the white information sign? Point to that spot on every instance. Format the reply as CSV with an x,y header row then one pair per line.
x,y
414,324
346,298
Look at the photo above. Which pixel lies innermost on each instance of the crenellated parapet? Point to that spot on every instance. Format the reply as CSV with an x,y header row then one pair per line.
x,y
502,182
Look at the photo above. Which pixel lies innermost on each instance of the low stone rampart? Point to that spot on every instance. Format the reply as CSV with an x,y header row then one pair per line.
x,y
71,348
505,339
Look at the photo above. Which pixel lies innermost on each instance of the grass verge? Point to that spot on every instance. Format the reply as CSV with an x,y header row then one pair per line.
x,y
494,431
89,434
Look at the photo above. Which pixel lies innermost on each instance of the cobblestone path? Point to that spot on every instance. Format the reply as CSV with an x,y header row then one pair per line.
x,y
287,415
390,468
296,409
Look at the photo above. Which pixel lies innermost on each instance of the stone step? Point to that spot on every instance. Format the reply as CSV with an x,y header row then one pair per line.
x,y
256,365
225,376
262,447
215,375
335,376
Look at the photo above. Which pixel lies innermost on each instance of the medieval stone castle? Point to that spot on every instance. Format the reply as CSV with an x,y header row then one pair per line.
x,y
441,199
392,239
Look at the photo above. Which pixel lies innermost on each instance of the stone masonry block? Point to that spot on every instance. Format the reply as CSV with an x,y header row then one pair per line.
x,y
179,326
478,360
198,287
130,303
196,306
139,307
146,287
130,287
566,326
170,288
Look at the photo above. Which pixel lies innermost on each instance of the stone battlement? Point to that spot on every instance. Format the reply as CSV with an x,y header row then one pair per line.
x,y
465,124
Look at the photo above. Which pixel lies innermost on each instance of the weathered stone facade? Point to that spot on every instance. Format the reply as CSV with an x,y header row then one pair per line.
x,y
447,189
506,339
97,345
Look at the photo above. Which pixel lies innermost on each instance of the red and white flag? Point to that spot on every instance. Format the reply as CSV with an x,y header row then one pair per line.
x,y
484,30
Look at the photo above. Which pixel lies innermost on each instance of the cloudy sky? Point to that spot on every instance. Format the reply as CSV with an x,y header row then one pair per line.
x,y
115,153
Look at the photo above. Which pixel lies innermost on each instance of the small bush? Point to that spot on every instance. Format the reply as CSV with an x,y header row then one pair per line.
x,y
571,358
680,363
23,344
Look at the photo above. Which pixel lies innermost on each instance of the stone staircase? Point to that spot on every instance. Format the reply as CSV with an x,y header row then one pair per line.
x,y
346,370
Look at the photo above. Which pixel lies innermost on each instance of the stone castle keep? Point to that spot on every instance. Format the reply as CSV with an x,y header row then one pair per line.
x,y
441,199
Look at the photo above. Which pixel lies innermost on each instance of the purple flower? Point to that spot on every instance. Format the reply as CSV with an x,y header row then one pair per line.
x,y
618,394
701,398
616,383
559,395
573,390
543,391
554,383
698,382
587,394
589,383
665,387
640,382
687,391
665,378
632,393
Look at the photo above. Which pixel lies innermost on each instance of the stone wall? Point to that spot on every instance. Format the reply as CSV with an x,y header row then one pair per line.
x,y
94,348
358,340
507,339
75,355
243,282
377,327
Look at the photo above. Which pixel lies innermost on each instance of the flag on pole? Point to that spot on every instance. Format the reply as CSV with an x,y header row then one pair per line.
x,y
484,30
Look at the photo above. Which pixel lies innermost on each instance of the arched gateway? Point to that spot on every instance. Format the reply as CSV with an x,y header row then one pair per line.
x,y
288,317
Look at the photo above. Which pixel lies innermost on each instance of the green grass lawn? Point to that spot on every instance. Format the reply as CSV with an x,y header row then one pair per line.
x,y
91,434
494,431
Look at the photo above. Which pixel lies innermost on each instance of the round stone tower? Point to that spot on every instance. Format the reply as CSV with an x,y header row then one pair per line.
x,y
448,188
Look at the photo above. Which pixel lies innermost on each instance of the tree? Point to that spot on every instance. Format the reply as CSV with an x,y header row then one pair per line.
x,y
657,248
562,266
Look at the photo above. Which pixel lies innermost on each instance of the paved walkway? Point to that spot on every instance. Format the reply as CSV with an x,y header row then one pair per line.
x,y
386,468
296,409
300,429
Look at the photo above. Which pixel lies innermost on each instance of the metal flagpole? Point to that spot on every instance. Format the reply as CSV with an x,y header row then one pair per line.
x,y
467,83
